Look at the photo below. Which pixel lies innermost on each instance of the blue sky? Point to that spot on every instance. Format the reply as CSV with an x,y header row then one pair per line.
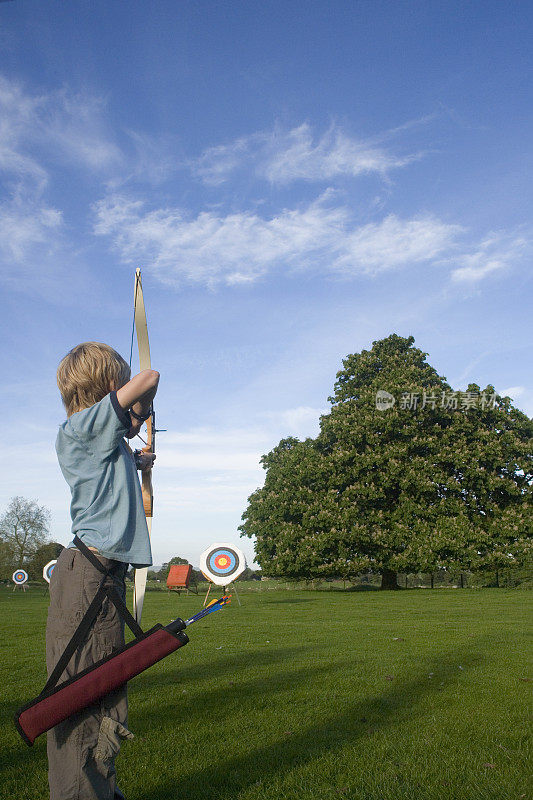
x,y
296,180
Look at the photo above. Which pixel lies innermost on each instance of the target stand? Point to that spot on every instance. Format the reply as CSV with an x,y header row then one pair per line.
x,y
20,578
225,589
221,564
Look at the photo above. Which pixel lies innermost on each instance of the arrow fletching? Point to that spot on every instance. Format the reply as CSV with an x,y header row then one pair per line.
x,y
214,605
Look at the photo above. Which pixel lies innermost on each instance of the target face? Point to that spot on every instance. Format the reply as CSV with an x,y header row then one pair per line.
x,y
222,563
48,569
20,576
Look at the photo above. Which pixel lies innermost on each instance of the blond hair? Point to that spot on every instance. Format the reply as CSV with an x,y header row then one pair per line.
x,y
87,373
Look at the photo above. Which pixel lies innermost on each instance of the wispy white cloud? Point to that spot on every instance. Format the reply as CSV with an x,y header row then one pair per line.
x,y
40,135
232,449
210,450
522,397
205,497
513,392
285,156
77,125
409,125
39,130
217,468
18,112
210,248
151,160
217,163
26,226
495,253
241,247
32,246
210,470
37,252
301,422
394,242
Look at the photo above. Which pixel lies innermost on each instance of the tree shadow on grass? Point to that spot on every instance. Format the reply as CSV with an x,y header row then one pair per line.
x,y
359,588
228,694
230,776
289,600
223,666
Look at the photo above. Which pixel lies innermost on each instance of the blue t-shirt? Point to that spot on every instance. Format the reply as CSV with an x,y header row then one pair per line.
x,y
106,507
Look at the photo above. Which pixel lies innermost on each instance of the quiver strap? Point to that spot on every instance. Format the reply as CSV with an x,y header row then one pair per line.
x,y
57,703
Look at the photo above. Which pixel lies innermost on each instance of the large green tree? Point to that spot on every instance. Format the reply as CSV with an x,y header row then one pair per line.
x,y
434,479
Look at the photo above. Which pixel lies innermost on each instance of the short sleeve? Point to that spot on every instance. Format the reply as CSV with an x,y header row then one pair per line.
x,y
102,426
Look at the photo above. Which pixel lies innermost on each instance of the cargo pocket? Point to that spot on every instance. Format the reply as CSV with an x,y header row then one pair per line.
x,y
110,737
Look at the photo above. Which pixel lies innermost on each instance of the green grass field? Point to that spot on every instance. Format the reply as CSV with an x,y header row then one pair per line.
x,y
300,694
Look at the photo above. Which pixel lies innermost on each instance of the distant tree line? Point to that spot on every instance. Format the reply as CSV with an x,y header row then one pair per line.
x,y
197,577
24,539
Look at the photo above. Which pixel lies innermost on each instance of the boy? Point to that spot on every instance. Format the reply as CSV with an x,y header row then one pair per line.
x,y
103,406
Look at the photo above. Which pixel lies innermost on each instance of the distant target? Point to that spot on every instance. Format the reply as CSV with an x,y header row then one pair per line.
x,y
48,569
20,576
222,563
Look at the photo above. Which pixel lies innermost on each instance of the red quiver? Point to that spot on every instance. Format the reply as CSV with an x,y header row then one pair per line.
x,y
58,702
94,683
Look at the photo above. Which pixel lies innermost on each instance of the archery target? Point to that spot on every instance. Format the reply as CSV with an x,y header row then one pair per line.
x,y
222,563
48,569
20,576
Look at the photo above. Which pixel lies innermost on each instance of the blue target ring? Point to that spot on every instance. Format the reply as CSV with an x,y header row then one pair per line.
x,y
222,562
20,576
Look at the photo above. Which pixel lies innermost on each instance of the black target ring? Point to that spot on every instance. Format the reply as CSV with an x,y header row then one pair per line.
x,y
223,562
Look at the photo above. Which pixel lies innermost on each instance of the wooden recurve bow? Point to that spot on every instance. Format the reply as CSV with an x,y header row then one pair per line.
x,y
143,343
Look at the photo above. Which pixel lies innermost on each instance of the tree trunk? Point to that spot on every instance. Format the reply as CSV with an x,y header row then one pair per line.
x,y
497,579
406,581
431,580
462,581
389,579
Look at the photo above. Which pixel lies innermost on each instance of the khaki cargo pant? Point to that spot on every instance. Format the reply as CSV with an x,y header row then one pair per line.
x,y
82,749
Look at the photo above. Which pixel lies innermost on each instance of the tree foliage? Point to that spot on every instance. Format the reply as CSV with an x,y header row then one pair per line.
x,y
439,478
41,557
23,529
250,575
7,561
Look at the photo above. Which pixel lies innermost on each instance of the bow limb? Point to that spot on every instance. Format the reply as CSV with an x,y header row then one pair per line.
x,y
147,489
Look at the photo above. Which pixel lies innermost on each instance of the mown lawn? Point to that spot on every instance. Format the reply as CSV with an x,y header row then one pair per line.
x,y
300,694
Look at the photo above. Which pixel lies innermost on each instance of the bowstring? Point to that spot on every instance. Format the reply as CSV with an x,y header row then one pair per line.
x,y
133,323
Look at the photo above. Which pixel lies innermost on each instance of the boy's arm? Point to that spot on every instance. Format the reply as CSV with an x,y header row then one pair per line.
x,y
138,394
